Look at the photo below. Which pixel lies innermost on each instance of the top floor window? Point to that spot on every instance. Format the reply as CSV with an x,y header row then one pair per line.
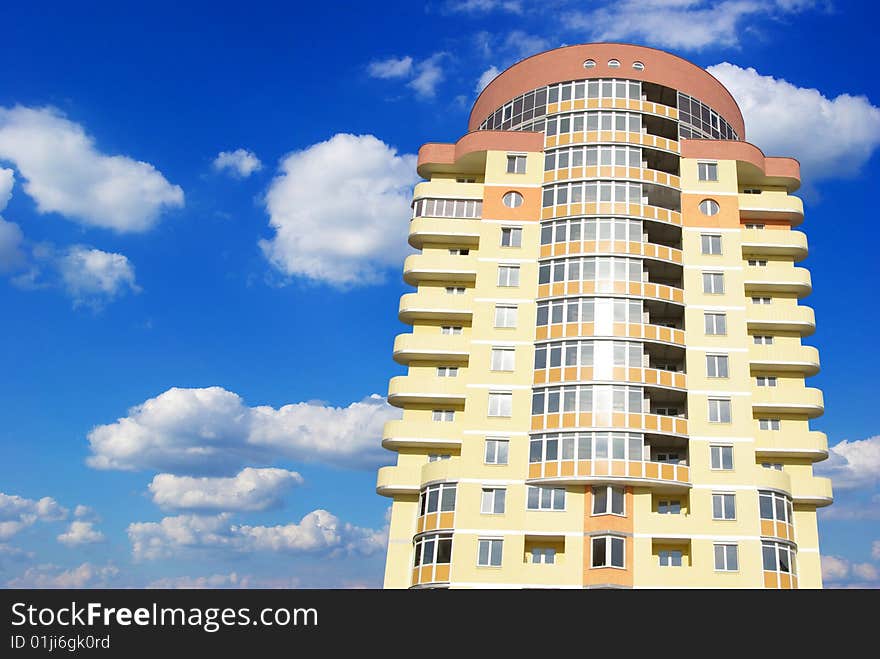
x,y
516,164
707,171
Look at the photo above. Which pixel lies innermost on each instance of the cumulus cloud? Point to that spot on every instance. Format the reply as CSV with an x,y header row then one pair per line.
x,y
93,277
241,162
680,24
86,575
340,210
251,489
80,533
11,239
486,77
18,513
485,6
853,463
393,67
212,431
834,568
64,173
318,531
831,138
839,571
428,74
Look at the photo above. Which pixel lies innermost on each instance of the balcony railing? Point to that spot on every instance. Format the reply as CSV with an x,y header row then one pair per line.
x,y
630,472
418,268
444,231
771,318
420,347
788,400
763,242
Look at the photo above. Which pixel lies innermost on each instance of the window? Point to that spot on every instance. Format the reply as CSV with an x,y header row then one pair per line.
x,y
670,558
447,371
777,466
464,208
778,557
666,411
726,559
761,300
545,555
502,359
489,552
751,191
437,498
455,290
768,424
465,180
613,64
492,502
505,316
459,252
511,237
516,164
719,410
496,451
723,506
754,226
589,64
512,200
437,457
716,323
608,551
451,329
500,404
709,207
545,498
608,500
766,380
669,507
716,366
775,507
433,549
763,340
758,262
707,171
638,66
710,244
443,415
508,275
713,282
722,457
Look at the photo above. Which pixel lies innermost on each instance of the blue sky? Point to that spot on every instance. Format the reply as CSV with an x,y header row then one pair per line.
x,y
192,343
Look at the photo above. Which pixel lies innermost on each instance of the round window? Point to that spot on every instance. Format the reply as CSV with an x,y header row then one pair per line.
x,y
613,64
589,64
709,207
638,66
512,199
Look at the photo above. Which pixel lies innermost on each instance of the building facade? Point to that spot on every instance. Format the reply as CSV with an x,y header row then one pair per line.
x,y
605,380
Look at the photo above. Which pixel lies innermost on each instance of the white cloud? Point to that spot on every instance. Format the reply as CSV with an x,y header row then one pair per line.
x,y
7,181
82,511
318,531
486,77
392,67
840,571
521,44
18,513
93,277
429,74
241,162
831,138
834,568
875,549
853,463
684,24
212,431
251,489
865,571
65,173
484,6
52,576
80,533
340,210
231,580
11,238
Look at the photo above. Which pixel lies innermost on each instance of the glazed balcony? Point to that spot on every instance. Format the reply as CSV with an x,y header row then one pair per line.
x,y
771,206
784,357
776,529
653,291
807,401
398,434
436,305
611,137
777,278
657,475
676,426
816,491
407,389
772,243
648,376
618,247
644,211
449,349
439,267
658,333
398,480
444,231
811,445
640,174
772,318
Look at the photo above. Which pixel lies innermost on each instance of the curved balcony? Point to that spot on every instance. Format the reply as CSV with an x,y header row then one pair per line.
x,y
778,278
645,107
652,423
816,491
406,389
418,268
657,333
397,480
774,529
762,242
424,347
658,475
427,576
772,479
435,522
811,445
784,358
614,137
788,400
771,206
587,374
439,471
435,306
398,434
614,209
604,247
773,318
660,292
640,174
444,231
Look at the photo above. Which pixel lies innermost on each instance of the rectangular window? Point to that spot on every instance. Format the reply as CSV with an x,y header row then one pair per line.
x,y
500,404
716,366
719,410
508,275
763,340
726,559
716,323
761,300
608,500
447,371
489,552
543,555
722,457
505,316
437,498
766,380
455,290
492,502
459,252
713,283
754,226
516,164
437,457
497,451
451,330
768,424
545,498
608,551
433,549
670,558
758,262
707,171
723,506
772,465
511,237
502,359
443,415
710,244
669,507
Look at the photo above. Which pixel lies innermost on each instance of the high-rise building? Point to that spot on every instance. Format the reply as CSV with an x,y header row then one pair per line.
x,y
605,379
